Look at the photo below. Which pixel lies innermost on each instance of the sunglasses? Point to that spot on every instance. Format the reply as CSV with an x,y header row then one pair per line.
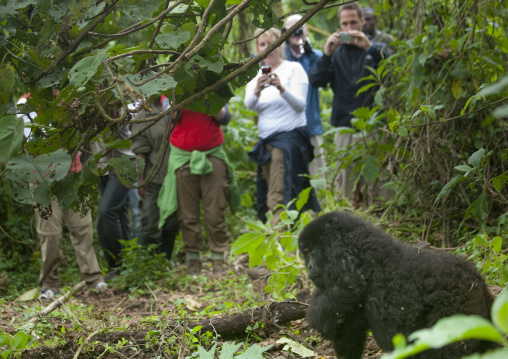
x,y
297,33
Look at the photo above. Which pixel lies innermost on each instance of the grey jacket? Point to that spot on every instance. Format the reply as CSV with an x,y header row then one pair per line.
x,y
149,143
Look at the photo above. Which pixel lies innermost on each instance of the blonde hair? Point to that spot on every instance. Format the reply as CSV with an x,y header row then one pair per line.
x,y
272,34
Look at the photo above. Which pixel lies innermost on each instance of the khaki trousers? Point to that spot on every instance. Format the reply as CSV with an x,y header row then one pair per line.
x,y
212,190
273,174
81,234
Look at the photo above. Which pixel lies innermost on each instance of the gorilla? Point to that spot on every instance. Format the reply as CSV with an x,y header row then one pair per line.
x,y
365,279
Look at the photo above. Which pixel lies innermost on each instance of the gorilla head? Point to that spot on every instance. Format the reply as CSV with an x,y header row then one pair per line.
x,y
365,279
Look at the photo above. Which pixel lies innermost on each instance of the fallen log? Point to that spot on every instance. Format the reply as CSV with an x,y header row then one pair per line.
x,y
277,313
234,325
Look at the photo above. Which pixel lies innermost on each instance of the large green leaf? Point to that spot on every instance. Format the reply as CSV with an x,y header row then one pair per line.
x,y
128,168
495,88
7,74
476,158
247,243
8,7
11,136
171,40
500,311
370,169
158,86
33,175
446,331
86,68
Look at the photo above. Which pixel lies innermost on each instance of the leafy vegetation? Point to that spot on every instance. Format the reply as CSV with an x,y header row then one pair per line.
x,y
435,141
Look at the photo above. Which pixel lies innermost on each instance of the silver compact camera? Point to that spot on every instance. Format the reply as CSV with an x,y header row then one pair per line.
x,y
345,37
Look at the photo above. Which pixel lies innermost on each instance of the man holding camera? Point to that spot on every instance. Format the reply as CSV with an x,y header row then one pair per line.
x,y
300,50
347,54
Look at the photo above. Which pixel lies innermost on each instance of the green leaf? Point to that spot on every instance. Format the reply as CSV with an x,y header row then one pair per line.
x,y
5,339
255,351
158,86
481,207
463,168
455,328
493,354
402,131
500,181
19,341
501,111
228,350
497,244
303,198
370,169
212,66
86,68
128,168
295,347
365,88
247,243
457,89
11,136
204,354
66,190
495,88
446,331
11,7
8,76
28,295
476,158
499,311
171,40
449,185
42,170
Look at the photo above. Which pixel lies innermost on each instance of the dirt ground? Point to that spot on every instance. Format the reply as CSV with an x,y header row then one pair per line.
x,y
137,319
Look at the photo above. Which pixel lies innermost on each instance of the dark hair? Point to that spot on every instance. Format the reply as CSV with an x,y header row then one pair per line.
x,y
351,6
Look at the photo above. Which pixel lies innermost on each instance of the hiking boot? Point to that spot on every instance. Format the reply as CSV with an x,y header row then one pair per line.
x,y
219,267
194,267
101,286
47,294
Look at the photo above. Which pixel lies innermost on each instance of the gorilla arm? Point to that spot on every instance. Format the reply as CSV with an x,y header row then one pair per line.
x,y
337,313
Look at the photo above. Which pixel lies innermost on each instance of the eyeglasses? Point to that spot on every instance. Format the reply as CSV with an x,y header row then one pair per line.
x,y
297,33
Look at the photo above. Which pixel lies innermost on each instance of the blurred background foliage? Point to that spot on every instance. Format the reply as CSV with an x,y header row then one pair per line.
x,y
436,139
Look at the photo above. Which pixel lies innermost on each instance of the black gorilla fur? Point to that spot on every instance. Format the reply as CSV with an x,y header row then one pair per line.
x,y
365,279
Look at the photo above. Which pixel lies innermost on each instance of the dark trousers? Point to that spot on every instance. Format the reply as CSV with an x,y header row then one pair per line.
x,y
113,218
149,231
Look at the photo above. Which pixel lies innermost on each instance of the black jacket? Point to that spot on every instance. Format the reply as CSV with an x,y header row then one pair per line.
x,y
298,152
343,70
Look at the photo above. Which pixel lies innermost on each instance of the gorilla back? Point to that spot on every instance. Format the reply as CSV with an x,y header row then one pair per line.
x,y
365,279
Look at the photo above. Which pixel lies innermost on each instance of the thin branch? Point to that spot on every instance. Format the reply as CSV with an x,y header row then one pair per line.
x,y
186,53
135,52
139,26
22,60
76,42
159,25
460,116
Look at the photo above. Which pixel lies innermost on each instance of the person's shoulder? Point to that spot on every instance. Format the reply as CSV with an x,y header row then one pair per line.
x,y
317,52
293,65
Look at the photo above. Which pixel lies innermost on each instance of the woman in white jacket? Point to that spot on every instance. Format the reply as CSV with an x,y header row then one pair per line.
x,y
283,152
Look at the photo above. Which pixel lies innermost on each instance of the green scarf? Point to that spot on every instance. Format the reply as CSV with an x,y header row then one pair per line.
x,y
199,165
